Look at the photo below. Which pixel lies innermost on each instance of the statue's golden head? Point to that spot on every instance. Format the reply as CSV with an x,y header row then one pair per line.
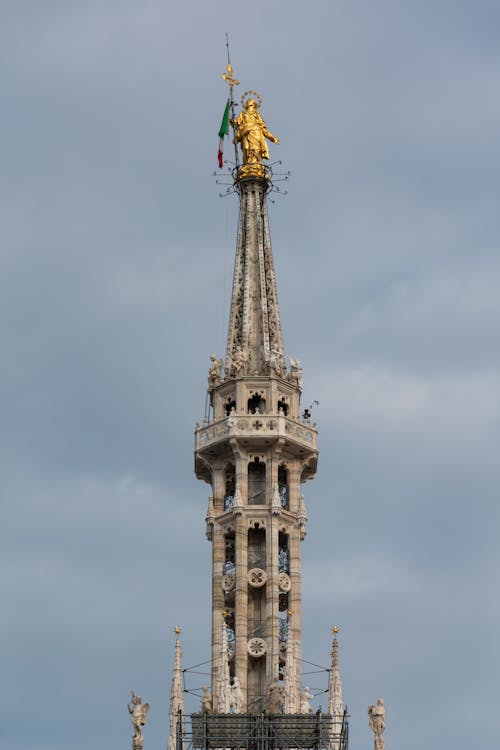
x,y
251,104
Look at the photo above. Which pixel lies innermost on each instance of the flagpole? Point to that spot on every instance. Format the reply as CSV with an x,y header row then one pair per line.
x,y
231,82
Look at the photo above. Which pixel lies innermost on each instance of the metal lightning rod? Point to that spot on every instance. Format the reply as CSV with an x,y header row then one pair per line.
x,y
228,76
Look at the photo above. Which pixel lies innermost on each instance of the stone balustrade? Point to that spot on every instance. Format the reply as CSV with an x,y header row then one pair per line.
x,y
257,426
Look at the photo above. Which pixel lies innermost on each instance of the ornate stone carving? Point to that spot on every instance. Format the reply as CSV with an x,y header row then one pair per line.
x,y
206,699
276,360
284,582
214,373
239,361
235,697
302,517
275,698
376,716
228,582
295,374
305,701
276,503
257,577
138,712
256,647
210,518
237,501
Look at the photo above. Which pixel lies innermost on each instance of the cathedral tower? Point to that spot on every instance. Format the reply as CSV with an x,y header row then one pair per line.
x,y
255,451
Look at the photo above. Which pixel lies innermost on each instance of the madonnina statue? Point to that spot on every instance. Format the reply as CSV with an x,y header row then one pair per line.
x,y
250,131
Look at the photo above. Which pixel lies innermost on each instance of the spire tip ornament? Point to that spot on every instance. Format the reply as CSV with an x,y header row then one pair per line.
x,y
251,132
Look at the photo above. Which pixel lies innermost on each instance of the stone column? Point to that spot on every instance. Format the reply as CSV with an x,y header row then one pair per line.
x,y
295,597
272,600
241,602
218,559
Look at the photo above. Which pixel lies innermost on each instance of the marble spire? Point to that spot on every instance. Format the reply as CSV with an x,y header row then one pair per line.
x,y
291,688
176,695
335,702
221,699
255,340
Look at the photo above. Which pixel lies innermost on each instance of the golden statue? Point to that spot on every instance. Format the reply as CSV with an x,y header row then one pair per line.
x,y
250,131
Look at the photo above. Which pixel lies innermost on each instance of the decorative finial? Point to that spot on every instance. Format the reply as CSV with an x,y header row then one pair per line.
x,y
177,630
225,613
228,76
335,630
289,612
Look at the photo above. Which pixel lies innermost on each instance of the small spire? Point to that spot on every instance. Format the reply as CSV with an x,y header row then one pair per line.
x,y
276,503
210,518
222,696
176,694
335,702
291,688
237,501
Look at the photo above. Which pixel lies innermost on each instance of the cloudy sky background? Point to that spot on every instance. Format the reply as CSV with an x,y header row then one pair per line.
x,y
116,262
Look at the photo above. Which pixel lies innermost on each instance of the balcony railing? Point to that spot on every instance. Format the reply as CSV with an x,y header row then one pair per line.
x,y
264,425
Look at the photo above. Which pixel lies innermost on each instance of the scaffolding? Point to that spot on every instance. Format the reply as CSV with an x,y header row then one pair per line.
x,y
209,731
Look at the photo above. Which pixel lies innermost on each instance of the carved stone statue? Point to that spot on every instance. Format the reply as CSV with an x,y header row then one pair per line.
x,y
305,701
206,699
296,371
138,713
277,362
251,132
376,715
240,359
275,698
235,697
214,374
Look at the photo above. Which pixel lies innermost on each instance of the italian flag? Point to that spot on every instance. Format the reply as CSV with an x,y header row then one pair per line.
x,y
224,130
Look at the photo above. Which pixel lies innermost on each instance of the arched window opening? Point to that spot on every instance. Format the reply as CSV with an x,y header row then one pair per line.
x,y
283,556
229,488
229,564
229,405
257,482
282,404
283,486
257,404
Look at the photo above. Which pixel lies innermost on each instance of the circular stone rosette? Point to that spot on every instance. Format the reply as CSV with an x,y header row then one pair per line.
x,y
228,582
284,582
257,578
256,647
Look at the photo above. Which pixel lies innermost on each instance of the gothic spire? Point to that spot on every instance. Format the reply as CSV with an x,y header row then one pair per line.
x,y
176,696
222,694
291,691
335,702
255,340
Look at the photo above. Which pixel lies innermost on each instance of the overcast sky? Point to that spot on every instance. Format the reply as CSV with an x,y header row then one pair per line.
x,y
116,262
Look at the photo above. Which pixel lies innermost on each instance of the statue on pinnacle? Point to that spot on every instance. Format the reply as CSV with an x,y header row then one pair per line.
x,y
138,712
251,132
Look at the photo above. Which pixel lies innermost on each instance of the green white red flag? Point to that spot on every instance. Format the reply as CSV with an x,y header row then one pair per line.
x,y
223,130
